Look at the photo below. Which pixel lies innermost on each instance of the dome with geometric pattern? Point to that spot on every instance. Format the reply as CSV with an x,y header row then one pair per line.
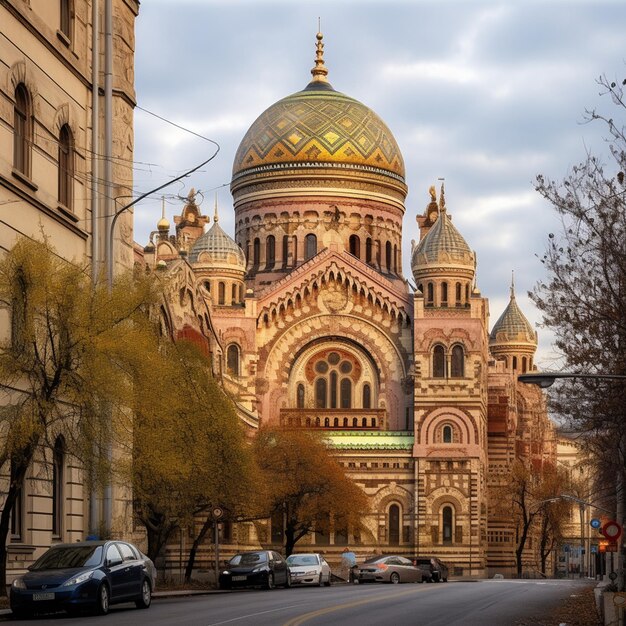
x,y
319,125
215,247
512,327
442,248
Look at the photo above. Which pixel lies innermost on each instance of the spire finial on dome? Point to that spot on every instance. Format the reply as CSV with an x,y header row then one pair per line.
x,y
163,223
216,216
442,197
512,284
319,71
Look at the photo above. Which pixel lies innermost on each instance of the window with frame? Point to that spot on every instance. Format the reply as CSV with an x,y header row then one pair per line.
x,y
388,262
393,525
58,478
65,21
256,251
66,167
457,362
333,382
22,130
447,516
232,359
355,246
447,434
221,293
439,362
310,243
270,252
300,396
430,294
17,512
285,250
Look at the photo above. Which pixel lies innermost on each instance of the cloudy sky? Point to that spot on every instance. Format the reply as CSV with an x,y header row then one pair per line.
x,y
486,95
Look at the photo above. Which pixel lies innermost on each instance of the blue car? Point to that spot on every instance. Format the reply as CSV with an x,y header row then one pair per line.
x,y
89,575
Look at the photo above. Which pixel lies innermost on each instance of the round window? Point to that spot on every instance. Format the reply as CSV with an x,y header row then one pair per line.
x,y
321,367
345,367
333,358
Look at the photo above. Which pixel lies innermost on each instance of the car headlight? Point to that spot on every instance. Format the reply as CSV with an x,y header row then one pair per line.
x,y
225,573
19,583
310,573
260,568
76,580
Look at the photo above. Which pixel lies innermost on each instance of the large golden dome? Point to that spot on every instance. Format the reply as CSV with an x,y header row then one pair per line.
x,y
319,125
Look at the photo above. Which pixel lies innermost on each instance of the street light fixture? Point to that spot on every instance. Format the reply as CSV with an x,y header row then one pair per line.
x,y
546,379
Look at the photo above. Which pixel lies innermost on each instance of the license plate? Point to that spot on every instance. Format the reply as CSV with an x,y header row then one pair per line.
x,y
43,596
239,578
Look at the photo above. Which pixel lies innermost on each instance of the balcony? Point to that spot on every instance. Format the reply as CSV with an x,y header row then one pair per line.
x,y
335,419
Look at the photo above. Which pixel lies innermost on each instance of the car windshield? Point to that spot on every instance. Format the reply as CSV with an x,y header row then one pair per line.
x,y
69,556
302,559
375,559
251,558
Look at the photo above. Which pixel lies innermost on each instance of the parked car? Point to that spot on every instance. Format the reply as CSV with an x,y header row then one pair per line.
x,y
88,575
438,569
260,568
309,569
389,569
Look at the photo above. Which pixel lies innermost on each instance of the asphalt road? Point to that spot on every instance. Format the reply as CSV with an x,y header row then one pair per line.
x,y
483,603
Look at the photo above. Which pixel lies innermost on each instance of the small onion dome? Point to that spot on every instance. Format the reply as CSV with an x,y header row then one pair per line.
x,y
442,248
215,247
512,328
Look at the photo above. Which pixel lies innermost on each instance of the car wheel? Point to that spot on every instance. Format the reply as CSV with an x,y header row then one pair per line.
x,y
394,579
143,602
329,582
102,600
445,580
270,581
319,581
287,584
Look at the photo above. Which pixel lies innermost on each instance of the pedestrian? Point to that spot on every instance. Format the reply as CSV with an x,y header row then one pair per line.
x,y
348,561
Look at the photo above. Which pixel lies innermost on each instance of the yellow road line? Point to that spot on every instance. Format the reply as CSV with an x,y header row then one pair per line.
x,y
297,621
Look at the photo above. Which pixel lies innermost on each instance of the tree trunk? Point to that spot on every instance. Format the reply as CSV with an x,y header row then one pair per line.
x,y
194,548
158,534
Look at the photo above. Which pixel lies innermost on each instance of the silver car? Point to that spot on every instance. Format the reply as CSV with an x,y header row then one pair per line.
x,y
389,569
309,569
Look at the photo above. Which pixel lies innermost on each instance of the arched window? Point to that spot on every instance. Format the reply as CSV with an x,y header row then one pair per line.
x,y
294,245
221,293
355,246
447,434
394,525
232,359
388,262
320,393
444,294
458,294
326,422
395,258
467,295
207,285
333,390
66,167
346,393
336,423
345,422
270,252
22,130
300,396
310,246
368,250
58,459
367,396
430,294
439,362
234,291
285,250
256,252
447,519
523,364
457,365
65,22
515,364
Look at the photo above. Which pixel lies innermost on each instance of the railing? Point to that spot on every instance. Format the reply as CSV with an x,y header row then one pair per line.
x,y
335,419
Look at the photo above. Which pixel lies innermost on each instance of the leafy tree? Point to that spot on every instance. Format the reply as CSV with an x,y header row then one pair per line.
x,y
189,452
70,349
583,299
304,483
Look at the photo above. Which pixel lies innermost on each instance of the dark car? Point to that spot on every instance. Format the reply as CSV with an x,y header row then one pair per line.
x,y
434,570
89,575
261,568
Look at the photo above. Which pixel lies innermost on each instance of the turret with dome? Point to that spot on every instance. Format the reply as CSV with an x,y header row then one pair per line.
x,y
318,169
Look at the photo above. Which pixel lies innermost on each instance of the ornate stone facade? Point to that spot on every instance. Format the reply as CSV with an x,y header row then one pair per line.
x,y
419,404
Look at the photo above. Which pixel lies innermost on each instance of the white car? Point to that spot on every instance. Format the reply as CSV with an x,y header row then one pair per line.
x,y
309,569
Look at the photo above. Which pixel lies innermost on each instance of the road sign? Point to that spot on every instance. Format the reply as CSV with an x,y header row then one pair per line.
x,y
612,547
595,523
612,530
217,512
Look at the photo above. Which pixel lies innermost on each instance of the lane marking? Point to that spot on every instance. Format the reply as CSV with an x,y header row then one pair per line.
x,y
297,621
282,608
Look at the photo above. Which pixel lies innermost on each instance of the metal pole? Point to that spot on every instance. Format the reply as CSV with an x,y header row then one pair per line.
x,y
581,508
216,534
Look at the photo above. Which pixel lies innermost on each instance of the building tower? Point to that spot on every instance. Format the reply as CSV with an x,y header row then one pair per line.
x,y
450,339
